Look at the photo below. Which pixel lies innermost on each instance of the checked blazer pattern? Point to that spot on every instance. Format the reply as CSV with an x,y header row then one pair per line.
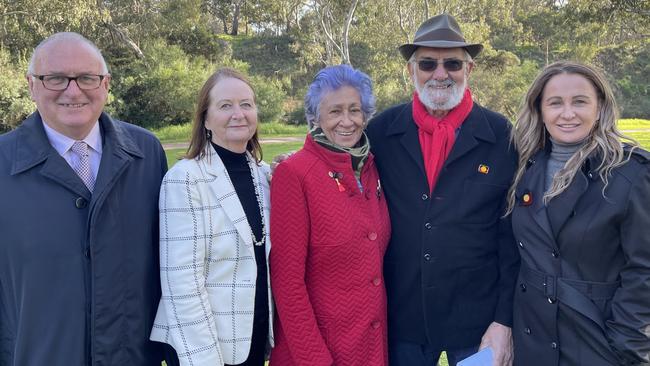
x,y
207,263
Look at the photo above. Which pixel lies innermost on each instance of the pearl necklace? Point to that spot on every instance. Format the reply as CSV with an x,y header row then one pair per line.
x,y
258,196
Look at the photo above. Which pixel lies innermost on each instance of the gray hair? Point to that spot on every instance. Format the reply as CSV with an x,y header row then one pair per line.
x,y
65,36
332,78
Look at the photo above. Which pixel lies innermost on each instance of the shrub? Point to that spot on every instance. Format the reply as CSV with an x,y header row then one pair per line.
x,y
163,90
15,101
200,41
296,116
502,89
390,93
270,98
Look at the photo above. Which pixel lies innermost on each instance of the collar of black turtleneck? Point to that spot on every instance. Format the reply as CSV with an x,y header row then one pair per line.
x,y
232,160
560,153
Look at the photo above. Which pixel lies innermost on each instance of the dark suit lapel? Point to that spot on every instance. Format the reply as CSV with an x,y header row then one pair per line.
x,y
405,126
118,152
474,128
561,207
57,169
33,148
532,183
411,143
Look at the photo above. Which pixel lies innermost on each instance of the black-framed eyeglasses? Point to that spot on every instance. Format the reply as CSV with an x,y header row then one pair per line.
x,y
61,82
430,64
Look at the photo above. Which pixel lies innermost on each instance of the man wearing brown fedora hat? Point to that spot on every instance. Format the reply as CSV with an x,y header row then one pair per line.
x,y
445,163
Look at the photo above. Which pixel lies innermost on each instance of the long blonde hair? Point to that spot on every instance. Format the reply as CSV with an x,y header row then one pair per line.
x,y
604,140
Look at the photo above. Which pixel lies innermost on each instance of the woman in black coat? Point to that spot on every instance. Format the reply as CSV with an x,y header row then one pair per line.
x,y
580,205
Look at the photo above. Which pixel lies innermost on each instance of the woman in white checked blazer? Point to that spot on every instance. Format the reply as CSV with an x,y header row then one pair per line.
x,y
216,306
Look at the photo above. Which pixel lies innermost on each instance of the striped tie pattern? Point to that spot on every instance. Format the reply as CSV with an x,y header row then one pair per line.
x,y
82,168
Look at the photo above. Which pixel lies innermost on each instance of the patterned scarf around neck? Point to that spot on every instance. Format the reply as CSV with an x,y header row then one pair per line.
x,y
437,136
359,152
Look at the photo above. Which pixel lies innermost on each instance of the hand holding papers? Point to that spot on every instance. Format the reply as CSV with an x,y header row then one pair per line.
x,y
483,357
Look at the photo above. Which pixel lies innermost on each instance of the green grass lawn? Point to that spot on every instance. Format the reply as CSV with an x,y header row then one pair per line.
x,y
642,138
638,129
173,155
634,124
270,150
181,133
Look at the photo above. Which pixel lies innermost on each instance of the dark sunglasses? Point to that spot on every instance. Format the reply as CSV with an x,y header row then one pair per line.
x,y
428,65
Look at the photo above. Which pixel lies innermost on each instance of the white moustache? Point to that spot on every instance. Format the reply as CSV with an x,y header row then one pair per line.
x,y
439,83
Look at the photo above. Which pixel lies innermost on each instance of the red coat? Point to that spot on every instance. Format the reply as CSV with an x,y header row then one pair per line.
x,y
326,261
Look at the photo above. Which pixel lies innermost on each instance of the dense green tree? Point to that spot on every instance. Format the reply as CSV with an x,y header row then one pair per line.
x,y
160,51
15,102
161,91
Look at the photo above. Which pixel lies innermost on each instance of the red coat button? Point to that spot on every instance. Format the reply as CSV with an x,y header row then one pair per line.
x,y
375,324
376,281
372,235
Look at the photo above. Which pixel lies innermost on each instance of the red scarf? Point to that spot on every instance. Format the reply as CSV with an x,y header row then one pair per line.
x,y
437,135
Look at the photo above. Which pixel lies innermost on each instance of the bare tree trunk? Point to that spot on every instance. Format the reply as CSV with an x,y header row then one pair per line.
x,y
124,38
235,19
329,54
225,24
402,29
13,13
117,31
346,33
325,16
547,52
342,46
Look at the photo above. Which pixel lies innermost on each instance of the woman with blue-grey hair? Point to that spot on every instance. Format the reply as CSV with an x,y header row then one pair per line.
x,y
330,228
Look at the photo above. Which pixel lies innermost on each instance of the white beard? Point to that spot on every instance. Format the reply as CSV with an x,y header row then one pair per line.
x,y
441,99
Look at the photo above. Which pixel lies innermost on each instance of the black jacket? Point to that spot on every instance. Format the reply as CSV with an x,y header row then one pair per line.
x,y
583,294
79,275
451,264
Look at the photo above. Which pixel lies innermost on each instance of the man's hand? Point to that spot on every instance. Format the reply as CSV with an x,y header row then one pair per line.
x,y
499,338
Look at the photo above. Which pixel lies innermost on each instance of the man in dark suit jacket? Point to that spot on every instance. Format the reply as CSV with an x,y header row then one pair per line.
x,y
79,275
445,164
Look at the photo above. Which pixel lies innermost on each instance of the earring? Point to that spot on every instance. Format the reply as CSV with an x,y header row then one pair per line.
x,y
208,134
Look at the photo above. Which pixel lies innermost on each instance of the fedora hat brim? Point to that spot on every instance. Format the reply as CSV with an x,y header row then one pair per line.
x,y
472,48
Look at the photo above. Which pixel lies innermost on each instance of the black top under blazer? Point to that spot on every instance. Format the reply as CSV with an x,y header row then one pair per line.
x,y
451,264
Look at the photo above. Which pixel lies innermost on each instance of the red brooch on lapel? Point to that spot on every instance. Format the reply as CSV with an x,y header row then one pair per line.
x,y
336,176
527,199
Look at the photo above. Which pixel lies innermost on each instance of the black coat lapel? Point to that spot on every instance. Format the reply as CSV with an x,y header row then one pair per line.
x,y
119,151
562,207
411,143
404,125
33,148
532,183
475,127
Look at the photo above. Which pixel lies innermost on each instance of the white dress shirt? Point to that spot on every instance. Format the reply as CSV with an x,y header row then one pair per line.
x,y
62,145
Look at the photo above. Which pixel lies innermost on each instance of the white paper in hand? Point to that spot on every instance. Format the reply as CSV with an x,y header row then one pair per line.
x,y
481,358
